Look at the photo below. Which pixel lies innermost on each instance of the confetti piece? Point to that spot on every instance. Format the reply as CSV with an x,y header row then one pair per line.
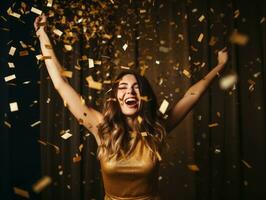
x,y
246,164
144,134
237,13
66,135
144,98
76,159
10,77
23,53
193,168
139,119
213,125
36,11
201,18
80,147
164,106
21,192
7,124
58,32
57,149
41,184
23,44
262,20
164,49
91,63
238,38
256,75
125,47
93,84
228,81
12,51
68,47
67,74
13,106
158,156
186,73
11,65
13,14
50,3
157,62
200,37
35,123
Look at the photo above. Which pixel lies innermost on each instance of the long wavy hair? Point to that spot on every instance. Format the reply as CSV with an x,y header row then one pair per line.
x,y
114,131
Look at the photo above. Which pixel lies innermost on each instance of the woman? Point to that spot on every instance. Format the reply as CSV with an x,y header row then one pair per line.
x,y
128,132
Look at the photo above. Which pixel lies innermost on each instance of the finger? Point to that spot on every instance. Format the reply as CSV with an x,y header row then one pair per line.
x,y
224,49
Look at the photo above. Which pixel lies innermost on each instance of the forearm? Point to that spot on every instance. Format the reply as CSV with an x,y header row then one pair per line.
x,y
52,64
201,86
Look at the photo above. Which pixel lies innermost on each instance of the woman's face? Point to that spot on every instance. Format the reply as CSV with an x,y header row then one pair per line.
x,y
128,95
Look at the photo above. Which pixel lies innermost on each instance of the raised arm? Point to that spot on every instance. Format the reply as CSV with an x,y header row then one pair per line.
x,y
89,117
193,94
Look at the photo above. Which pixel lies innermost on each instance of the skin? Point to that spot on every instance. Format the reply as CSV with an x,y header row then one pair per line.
x,y
91,118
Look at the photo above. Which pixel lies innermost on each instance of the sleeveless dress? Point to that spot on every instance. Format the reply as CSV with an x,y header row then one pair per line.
x,y
131,178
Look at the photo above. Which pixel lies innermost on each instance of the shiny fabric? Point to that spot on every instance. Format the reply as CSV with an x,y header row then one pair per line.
x,y
132,178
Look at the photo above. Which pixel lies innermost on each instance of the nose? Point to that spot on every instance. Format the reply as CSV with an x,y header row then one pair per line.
x,y
131,90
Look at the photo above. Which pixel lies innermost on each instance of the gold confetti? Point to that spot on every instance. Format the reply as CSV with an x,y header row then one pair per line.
x,y
10,77
7,124
50,3
23,44
11,65
238,38
246,164
41,184
91,63
76,159
13,106
80,147
68,47
213,125
262,20
186,73
228,81
164,106
21,192
67,74
36,11
125,46
200,37
23,53
12,51
193,168
201,18
144,134
93,84
35,123
58,32
158,156
13,14
48,46
144,98
66,135
236,14
139,119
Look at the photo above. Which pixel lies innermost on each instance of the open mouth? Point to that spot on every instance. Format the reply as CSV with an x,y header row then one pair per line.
x,y
131,102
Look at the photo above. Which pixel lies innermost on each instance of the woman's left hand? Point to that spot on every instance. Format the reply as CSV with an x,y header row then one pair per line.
x,y
222,56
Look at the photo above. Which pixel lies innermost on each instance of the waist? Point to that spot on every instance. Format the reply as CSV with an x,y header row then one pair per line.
x,y
144,197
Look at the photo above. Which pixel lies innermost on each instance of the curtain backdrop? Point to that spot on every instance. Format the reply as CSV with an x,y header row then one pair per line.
x,y
224,136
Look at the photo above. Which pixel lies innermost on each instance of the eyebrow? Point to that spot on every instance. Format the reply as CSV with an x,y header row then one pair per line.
x,y
124,83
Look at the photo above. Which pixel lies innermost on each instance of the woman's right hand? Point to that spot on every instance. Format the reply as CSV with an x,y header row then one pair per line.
x,y
39,22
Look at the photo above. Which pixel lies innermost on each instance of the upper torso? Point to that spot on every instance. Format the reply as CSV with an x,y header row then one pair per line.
x,y
134,177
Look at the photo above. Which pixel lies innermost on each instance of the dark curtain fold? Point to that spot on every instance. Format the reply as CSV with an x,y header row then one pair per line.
x,y
162,39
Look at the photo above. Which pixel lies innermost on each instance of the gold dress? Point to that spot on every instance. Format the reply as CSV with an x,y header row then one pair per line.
x,y
132,178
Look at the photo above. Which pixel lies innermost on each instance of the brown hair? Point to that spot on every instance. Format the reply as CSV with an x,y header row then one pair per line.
x,y
113,130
